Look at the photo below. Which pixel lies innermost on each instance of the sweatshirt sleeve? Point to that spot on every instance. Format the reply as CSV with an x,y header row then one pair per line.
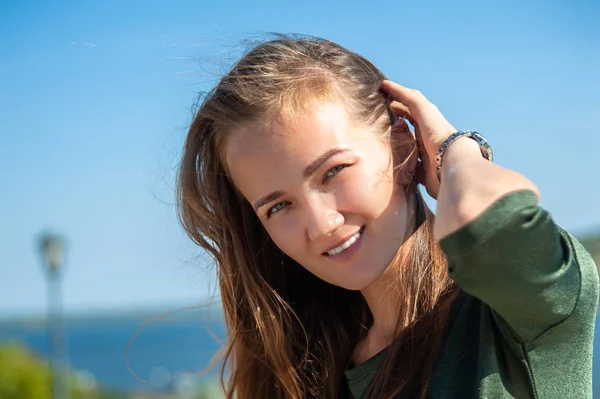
x,y
530,272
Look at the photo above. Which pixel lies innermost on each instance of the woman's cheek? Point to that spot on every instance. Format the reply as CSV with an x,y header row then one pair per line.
x,y
286,232
374,184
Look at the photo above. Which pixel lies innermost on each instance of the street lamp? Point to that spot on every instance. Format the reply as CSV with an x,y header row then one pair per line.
x,y
52,248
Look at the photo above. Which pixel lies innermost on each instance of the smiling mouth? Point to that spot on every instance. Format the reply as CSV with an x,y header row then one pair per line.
x,y
346,244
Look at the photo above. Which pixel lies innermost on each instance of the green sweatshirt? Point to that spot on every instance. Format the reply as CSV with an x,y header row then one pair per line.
x,y
523,325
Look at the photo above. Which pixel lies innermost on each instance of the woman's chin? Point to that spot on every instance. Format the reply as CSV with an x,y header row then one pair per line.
x,y
362,281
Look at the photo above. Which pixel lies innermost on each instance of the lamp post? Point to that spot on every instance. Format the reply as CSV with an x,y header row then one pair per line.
x,y
52,249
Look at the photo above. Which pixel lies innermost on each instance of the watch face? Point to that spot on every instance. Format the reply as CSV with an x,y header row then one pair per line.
x,y
486,149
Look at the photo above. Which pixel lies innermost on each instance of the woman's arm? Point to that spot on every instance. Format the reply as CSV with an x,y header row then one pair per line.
x,y
501,247
470,183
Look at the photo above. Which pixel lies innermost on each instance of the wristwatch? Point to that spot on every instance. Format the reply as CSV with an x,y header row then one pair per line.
x,y
484,146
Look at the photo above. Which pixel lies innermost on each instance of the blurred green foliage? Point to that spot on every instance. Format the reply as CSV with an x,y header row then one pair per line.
x,y
592,244
24,375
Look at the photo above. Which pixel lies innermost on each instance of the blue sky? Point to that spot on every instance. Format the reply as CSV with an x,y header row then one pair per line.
x,y
96,98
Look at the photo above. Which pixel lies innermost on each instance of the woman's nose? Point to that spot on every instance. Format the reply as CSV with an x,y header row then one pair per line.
x,y
322,220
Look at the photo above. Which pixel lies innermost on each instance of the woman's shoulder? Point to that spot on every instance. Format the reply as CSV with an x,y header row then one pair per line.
x,y
579,258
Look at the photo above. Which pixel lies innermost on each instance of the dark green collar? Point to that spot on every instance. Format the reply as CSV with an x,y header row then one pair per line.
x,y
359,377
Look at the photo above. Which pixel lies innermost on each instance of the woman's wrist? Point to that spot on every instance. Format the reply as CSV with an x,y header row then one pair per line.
x,y
463,149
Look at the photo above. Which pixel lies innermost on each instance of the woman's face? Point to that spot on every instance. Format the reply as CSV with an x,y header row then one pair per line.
x,y
323,187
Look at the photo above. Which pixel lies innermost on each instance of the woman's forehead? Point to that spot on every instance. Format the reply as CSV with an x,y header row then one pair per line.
x,y
257,152
315,130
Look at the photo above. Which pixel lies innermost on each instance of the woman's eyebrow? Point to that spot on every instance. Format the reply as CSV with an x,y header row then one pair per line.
x,y
308,171
316,164
268,198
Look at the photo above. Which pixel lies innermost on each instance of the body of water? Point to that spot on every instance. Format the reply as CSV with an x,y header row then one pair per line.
x,y
160,353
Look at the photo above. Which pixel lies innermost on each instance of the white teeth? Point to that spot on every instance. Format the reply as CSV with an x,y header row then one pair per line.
x,y
345,245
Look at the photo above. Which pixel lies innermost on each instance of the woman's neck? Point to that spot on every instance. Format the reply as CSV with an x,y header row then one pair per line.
x,y
383,301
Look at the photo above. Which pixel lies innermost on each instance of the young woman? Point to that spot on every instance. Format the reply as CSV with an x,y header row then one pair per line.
x,y
299,177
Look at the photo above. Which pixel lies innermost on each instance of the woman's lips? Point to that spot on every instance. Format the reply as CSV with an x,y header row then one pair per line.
x,y
349,252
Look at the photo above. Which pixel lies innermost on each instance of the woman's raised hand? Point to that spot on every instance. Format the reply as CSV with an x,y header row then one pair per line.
x,y
431,129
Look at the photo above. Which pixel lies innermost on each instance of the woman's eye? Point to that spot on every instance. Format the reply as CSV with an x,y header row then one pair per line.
x,y
333,171
276,208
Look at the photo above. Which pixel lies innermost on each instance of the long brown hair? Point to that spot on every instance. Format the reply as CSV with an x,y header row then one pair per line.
x,y
290,334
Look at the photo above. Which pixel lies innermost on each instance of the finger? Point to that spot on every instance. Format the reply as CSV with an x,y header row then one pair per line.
x,y
421,148
420,173
402,111
405,95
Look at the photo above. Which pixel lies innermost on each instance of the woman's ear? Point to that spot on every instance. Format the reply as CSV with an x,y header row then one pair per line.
x,y
406,154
